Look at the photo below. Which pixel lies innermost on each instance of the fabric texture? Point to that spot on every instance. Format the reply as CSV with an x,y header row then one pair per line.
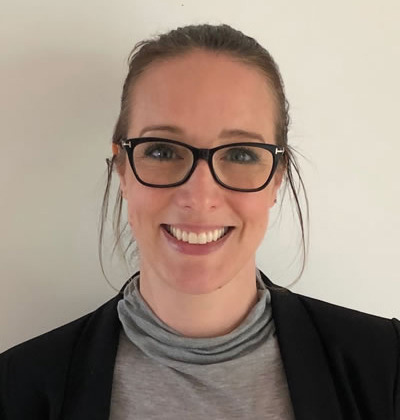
x,y
340,364
160,342
235,376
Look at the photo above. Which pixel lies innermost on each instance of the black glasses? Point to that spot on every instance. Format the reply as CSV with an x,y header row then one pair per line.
x,y
164,163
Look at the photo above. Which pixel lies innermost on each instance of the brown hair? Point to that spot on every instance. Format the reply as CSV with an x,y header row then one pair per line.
x,y
219,39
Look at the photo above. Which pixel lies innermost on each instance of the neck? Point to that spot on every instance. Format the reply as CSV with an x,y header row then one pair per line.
x,y
209,314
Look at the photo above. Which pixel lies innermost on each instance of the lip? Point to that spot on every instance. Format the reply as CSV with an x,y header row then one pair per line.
x,y
195,249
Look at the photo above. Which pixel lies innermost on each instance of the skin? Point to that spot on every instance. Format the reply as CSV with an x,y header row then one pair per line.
x,y
203,95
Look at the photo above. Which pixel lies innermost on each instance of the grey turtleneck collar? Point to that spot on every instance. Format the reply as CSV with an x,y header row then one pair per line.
x,y
162,343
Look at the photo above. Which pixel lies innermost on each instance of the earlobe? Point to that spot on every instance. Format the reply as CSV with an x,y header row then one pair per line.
x,y
278,177
123,193
122,184
273,202
120,169
122,187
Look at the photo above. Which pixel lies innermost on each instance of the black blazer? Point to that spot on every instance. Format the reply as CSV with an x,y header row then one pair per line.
x,y
340,364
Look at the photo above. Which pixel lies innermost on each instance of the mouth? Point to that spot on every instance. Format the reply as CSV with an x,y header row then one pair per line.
x,y
197,238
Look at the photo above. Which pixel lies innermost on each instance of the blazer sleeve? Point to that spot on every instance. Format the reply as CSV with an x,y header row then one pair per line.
x,y
363,354
396,324
33,374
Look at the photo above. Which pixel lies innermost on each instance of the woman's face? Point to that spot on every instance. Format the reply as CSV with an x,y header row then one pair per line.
x,y
205,100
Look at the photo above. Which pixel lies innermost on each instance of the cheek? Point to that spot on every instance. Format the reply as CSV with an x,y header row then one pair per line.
x,y
261,220
144,206
254,210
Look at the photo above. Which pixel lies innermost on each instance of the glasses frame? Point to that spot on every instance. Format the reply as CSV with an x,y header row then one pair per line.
x,y
205,154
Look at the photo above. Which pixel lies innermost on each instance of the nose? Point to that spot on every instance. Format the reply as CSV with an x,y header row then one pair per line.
x,y
200,191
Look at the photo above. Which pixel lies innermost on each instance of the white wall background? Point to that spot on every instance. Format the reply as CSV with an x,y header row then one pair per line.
x,y
62,66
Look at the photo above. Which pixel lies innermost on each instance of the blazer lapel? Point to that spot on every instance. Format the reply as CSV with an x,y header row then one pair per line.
x,y
89,383
309,379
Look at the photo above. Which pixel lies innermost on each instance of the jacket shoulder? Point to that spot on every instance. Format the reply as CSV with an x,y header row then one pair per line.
x,y
349,326
361,349
358,342
35,371
40,350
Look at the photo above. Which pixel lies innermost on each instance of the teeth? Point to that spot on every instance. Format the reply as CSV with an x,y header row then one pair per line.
x,y
178,233
197,238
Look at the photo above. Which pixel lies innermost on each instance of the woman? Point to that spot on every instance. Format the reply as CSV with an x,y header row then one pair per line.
x,y
200,149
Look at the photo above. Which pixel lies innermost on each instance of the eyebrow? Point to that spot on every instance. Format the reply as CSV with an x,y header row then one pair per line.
x,y
243,134
224,134
171,128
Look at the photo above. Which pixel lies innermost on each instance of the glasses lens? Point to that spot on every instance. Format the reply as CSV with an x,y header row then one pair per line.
x,y
162,163
243,167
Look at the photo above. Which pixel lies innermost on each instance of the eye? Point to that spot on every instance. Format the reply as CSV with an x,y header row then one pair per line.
x,y
241,155
161,152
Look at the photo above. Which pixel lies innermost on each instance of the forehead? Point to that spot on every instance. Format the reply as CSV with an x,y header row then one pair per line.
x,y
203,93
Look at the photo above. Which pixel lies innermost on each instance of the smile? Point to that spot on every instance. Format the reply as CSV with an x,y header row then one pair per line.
x,y
197,238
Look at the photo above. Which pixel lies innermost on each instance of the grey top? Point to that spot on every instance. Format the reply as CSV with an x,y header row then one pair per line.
x,y
161,374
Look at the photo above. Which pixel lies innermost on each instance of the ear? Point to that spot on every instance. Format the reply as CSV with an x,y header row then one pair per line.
x,y
121,173
278,178
276,184
122,184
